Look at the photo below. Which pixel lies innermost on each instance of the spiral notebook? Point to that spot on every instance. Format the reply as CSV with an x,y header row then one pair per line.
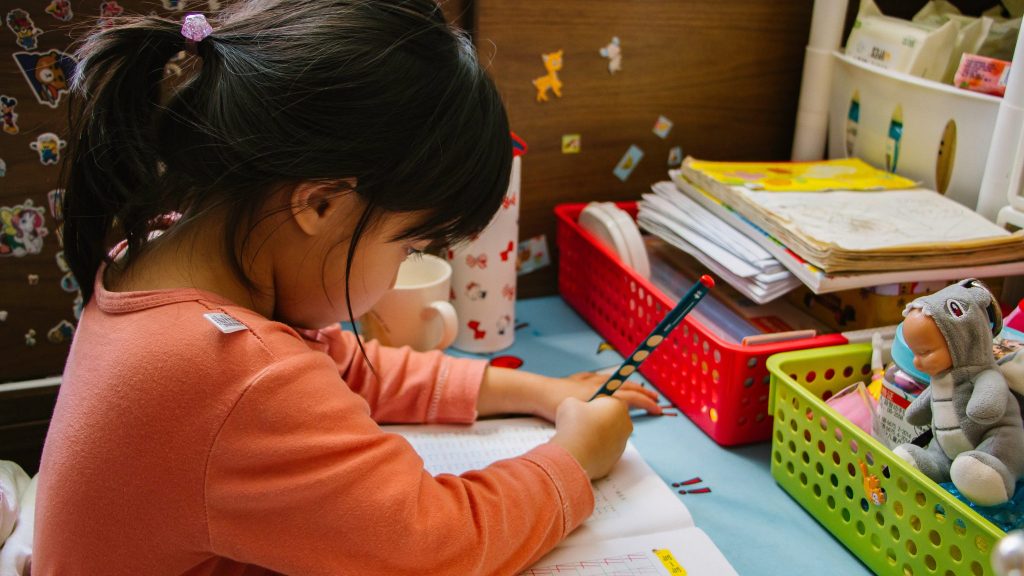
x,y
639,526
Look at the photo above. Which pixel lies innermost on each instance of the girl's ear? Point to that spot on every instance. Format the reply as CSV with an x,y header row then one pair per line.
x,y
315,204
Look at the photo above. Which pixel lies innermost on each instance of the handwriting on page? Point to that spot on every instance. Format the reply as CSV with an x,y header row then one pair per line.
x,y
457,453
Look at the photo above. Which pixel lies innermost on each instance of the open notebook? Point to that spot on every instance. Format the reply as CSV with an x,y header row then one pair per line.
x,y
639,525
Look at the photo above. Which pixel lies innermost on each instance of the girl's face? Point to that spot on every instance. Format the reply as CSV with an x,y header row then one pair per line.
x,y
309,282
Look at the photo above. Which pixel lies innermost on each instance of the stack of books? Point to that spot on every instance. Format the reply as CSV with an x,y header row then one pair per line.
x,y
726,252
839,224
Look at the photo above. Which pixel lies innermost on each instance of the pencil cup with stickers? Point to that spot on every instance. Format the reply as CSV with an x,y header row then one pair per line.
x,y
484,277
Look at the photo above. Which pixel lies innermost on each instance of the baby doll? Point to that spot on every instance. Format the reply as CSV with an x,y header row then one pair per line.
x,y
978,438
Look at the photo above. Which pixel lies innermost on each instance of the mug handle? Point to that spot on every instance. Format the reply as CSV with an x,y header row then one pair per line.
x,y
449,322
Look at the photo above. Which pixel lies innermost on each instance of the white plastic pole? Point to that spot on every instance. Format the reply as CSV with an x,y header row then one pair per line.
x,y
1001,182
815,86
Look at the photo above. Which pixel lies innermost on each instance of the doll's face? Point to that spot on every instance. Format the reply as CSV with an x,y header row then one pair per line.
x,y
924,339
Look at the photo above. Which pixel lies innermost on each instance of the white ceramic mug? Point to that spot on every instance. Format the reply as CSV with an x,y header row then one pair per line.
x,y
416,312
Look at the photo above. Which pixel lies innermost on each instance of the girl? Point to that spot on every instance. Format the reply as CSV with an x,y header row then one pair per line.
x,y
212,418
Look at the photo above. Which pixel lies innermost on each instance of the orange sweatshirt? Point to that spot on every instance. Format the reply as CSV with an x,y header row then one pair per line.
x,y
178,449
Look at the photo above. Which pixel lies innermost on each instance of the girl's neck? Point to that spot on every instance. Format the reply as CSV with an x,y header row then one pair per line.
x,y
192,255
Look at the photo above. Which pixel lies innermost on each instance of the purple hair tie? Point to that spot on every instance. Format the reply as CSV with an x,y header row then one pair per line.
x,y
195,28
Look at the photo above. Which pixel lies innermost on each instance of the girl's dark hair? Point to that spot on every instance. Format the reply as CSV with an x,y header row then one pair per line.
x,y
382,91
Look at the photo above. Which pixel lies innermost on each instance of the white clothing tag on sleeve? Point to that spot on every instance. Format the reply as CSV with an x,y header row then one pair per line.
x,y
225,322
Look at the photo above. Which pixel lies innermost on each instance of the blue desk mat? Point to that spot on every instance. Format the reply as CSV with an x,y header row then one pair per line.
x,y
757,526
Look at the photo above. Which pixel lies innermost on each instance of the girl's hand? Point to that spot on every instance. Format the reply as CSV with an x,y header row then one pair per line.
x,y
506,391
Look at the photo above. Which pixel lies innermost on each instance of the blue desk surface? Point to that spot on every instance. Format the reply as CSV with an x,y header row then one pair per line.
x,y
758,527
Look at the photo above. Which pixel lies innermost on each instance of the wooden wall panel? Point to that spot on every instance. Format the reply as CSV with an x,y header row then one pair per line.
x,y
725,73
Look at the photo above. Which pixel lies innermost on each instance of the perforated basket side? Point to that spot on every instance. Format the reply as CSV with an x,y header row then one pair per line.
x,y
722,387
817,457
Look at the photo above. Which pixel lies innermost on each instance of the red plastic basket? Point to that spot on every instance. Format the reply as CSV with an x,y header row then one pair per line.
x,y
722,387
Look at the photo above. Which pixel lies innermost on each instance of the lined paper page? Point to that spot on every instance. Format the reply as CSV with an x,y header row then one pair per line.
x,y
688,551
631,500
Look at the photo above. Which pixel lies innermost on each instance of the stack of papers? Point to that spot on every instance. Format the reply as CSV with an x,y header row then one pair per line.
x,y
728,253
846,217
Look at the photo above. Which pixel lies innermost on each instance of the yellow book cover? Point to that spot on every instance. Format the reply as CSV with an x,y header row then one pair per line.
x,y
819,176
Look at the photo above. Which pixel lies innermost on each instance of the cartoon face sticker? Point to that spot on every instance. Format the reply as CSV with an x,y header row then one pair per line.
x,y
22,229
109,9
47,73
48,145
8,115
475,291
25,31
61,10
504,323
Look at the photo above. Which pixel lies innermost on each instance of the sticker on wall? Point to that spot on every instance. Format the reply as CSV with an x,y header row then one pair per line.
x,y
25,31
571,143
7,113
3,168
533,255
176,5
109,9
77,305
48,145
61,10
22,229
552,63
61,333
68,283
30,338
33,279
628,162
613,52
662,127
47,73
3,315
173,66
55,199
675,157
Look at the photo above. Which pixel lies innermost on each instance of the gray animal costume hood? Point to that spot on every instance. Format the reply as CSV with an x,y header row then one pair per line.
x,y
967,314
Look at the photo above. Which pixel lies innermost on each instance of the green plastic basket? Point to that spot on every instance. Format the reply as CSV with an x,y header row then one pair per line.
x,y
817,455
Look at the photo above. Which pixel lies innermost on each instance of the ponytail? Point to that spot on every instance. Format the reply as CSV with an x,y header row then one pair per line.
x,y
384,93
113,169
